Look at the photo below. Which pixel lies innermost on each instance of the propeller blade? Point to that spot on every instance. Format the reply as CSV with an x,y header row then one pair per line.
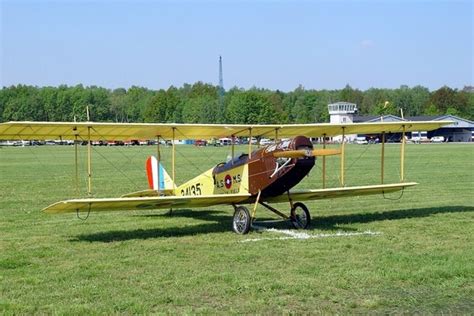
x,y
326,152
306,153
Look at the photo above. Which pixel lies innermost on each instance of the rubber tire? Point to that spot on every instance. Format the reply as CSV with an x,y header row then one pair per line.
x,y
294,222
241,221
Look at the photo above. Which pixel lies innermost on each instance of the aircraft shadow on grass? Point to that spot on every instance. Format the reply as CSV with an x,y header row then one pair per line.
x,y
222,223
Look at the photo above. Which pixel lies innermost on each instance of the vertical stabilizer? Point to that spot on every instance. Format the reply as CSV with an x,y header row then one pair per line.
x,y
158,178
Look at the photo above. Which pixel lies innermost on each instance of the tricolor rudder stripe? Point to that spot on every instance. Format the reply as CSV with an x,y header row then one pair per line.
x,y
158,178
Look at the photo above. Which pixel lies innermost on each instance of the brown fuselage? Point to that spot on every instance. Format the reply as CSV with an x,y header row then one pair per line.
x,y
270,175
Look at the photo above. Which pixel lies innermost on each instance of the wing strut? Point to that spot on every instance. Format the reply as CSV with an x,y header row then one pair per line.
x,y
232,150
76,169
382,160
402,156
324,162
173,146
343,155
158,157
250,142
89,158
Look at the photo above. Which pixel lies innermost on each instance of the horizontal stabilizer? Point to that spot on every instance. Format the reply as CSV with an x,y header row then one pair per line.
x,y
148,192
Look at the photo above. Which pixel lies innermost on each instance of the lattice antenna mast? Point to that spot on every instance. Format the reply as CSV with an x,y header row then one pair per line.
x,y
221,76
220,114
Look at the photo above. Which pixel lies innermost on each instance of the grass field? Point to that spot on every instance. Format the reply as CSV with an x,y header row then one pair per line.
x,y
422,260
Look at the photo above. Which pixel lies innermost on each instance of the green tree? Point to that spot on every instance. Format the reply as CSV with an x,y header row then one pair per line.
x,y
431,109
118,105
470,105
444,98
22,104
155,111
202,109
403,100
387,108
374,100
420,99
250,107
297,106
164,106
348,94
137,99
200,102
276,101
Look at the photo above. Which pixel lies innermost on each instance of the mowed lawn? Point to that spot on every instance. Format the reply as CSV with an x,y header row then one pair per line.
x,y
420,261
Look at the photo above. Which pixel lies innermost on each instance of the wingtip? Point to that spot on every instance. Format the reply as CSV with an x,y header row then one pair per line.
x,y
53,208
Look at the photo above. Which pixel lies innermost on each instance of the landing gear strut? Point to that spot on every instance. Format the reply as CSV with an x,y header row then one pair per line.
x,y
299,214
242,220
299,217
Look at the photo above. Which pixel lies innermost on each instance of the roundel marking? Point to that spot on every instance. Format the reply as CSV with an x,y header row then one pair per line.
x,y
228,181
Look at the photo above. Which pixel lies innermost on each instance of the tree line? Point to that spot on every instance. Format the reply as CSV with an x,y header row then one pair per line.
x,y
206,103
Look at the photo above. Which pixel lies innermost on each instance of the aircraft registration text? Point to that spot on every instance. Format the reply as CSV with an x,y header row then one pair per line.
x,y
194,189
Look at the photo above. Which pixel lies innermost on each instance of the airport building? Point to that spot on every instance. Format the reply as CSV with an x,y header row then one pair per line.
x,y
462,130
342,113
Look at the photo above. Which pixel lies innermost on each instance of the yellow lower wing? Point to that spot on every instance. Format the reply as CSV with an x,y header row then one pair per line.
x,y
319,194
142,203
160,202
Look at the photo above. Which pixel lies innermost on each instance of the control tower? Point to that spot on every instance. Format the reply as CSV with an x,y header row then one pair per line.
x,y
342,113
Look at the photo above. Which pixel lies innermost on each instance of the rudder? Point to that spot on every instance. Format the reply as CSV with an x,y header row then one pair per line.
x,y
158,178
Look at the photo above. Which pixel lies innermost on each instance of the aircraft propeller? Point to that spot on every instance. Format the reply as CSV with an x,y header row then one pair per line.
x,y
301,153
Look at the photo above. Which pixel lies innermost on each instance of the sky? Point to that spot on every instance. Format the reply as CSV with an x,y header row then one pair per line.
x,y
267,44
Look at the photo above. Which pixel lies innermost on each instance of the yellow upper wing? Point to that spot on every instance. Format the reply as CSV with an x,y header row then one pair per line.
x,y
127,131
142,203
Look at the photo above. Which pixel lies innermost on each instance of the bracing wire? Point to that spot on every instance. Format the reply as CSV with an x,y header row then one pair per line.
x,y
199,168
192,164
128,159
209,157
50,152
394,199
115,167
87,216
118,169
334,179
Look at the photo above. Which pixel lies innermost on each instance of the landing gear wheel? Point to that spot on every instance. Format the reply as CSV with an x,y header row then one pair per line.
x,y
242,220
300,218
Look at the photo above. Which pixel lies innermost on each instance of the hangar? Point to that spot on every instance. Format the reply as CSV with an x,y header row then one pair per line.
x,y
462,130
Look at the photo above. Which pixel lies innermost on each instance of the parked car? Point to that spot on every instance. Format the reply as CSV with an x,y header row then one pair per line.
x,y
200,142
214,142
265,142
419,137
437,139
225,141
360,140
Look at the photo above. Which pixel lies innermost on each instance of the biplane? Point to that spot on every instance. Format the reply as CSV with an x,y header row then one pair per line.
x,y
261,176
